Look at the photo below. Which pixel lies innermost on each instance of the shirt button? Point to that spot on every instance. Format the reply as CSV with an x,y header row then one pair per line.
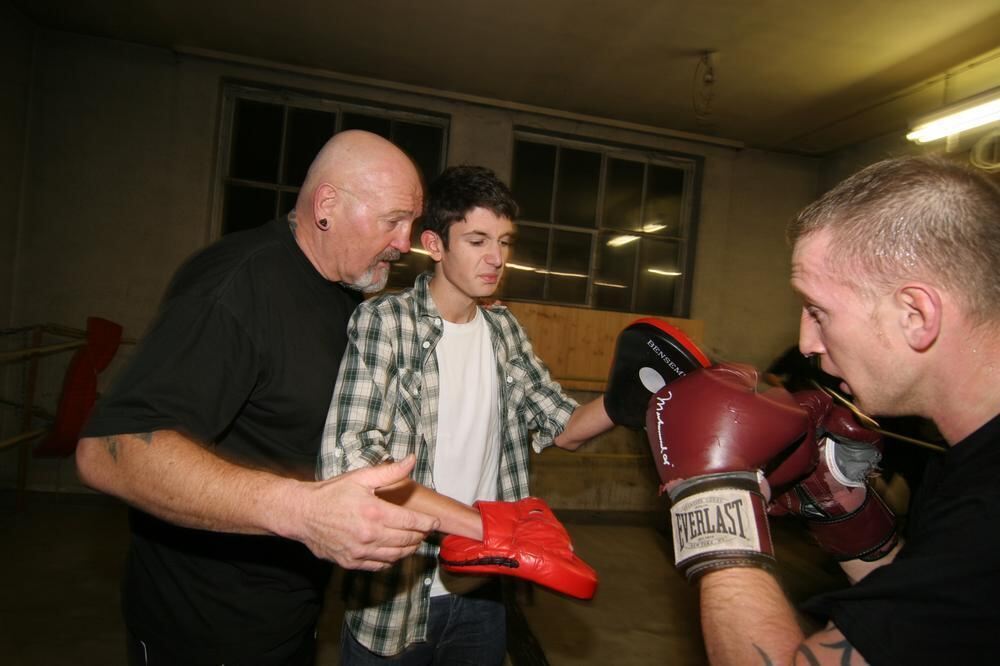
x,y
427,581
510,379
438,321
426,344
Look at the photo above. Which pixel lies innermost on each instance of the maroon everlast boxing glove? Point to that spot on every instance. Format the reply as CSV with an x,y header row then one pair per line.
x,y
649,354
523,539
798,462
843,512
713,436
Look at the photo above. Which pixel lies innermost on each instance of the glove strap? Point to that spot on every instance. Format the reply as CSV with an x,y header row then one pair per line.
x,y
867,533
720,521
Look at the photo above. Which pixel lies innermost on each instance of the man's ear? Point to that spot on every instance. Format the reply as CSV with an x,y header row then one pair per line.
x,y
324,199
432,243
920,314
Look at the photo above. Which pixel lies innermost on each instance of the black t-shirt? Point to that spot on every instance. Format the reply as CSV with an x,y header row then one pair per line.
x,y
243,355
939,601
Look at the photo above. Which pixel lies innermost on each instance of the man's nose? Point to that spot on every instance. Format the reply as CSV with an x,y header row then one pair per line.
x,y
401,240
809,338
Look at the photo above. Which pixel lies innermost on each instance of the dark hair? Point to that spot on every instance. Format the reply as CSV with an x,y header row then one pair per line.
x,y
914,217
457,191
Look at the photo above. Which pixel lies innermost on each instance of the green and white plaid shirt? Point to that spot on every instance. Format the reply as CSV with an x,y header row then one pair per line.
x,y
386,404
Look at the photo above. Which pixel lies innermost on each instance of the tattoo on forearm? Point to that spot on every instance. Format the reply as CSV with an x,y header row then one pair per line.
x,y
764,657
805,652
111,444
847,648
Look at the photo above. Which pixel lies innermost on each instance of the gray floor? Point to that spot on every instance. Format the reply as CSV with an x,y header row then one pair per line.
x,y
62,554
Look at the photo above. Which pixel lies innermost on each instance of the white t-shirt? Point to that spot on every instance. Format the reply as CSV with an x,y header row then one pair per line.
x,y
467,450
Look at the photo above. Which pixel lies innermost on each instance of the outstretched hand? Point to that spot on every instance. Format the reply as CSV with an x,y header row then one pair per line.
x,y
343,520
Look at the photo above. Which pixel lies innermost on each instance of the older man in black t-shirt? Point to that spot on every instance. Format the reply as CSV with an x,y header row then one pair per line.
x,y
211,433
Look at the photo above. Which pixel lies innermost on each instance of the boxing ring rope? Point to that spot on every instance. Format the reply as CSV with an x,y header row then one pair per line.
x,y
32,353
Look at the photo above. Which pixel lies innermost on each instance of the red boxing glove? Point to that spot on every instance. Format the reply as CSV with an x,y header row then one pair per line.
x,y
525,540
844,514
713,436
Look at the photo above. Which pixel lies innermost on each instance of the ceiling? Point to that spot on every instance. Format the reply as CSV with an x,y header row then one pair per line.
x,y
791,75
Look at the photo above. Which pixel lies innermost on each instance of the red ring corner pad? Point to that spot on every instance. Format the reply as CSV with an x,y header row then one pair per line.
x,y
79,390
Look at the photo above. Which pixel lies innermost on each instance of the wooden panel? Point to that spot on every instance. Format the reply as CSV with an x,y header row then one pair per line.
x,y
576,344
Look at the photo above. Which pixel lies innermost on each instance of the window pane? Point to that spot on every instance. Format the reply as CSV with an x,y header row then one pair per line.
x,y
405,271
534,174
256,141
247,207
307,131
530,250
663,201
659,278
623,195
374,124
423,144
409,266
614,273
286,202
570,266
576,195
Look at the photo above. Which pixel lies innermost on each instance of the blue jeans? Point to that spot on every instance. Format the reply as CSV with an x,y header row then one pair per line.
x,y
461,629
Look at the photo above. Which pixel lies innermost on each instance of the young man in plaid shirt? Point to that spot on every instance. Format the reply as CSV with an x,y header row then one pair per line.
x,y
429,371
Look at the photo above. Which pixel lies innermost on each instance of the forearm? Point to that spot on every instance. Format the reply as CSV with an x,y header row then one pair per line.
x,y
587,421
174,478
858,569
746,618
456,518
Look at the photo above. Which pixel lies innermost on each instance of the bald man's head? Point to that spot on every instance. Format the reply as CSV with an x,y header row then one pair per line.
x,y
356,207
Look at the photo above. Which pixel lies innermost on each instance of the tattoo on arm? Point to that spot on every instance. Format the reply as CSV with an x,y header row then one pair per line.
x,y
111,444
845,648
807,654
765,658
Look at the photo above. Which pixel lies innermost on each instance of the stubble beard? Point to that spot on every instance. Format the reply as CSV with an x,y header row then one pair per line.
x,y
375,277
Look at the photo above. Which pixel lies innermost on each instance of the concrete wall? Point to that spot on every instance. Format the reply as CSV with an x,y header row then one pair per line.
x,y
120,180
16,35
15,66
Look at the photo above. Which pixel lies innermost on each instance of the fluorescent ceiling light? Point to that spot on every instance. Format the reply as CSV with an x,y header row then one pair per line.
x,y
610,284
653,228
520,267
974,112
657,271
618,241
558,274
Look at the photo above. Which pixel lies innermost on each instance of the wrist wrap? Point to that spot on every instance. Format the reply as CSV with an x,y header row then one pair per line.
x,y
720,521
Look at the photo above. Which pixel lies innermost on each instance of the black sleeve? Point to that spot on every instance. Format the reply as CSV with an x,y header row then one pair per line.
x,y
937,602
192,373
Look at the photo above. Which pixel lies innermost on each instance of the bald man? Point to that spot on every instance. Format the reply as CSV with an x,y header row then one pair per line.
x,y
211,433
